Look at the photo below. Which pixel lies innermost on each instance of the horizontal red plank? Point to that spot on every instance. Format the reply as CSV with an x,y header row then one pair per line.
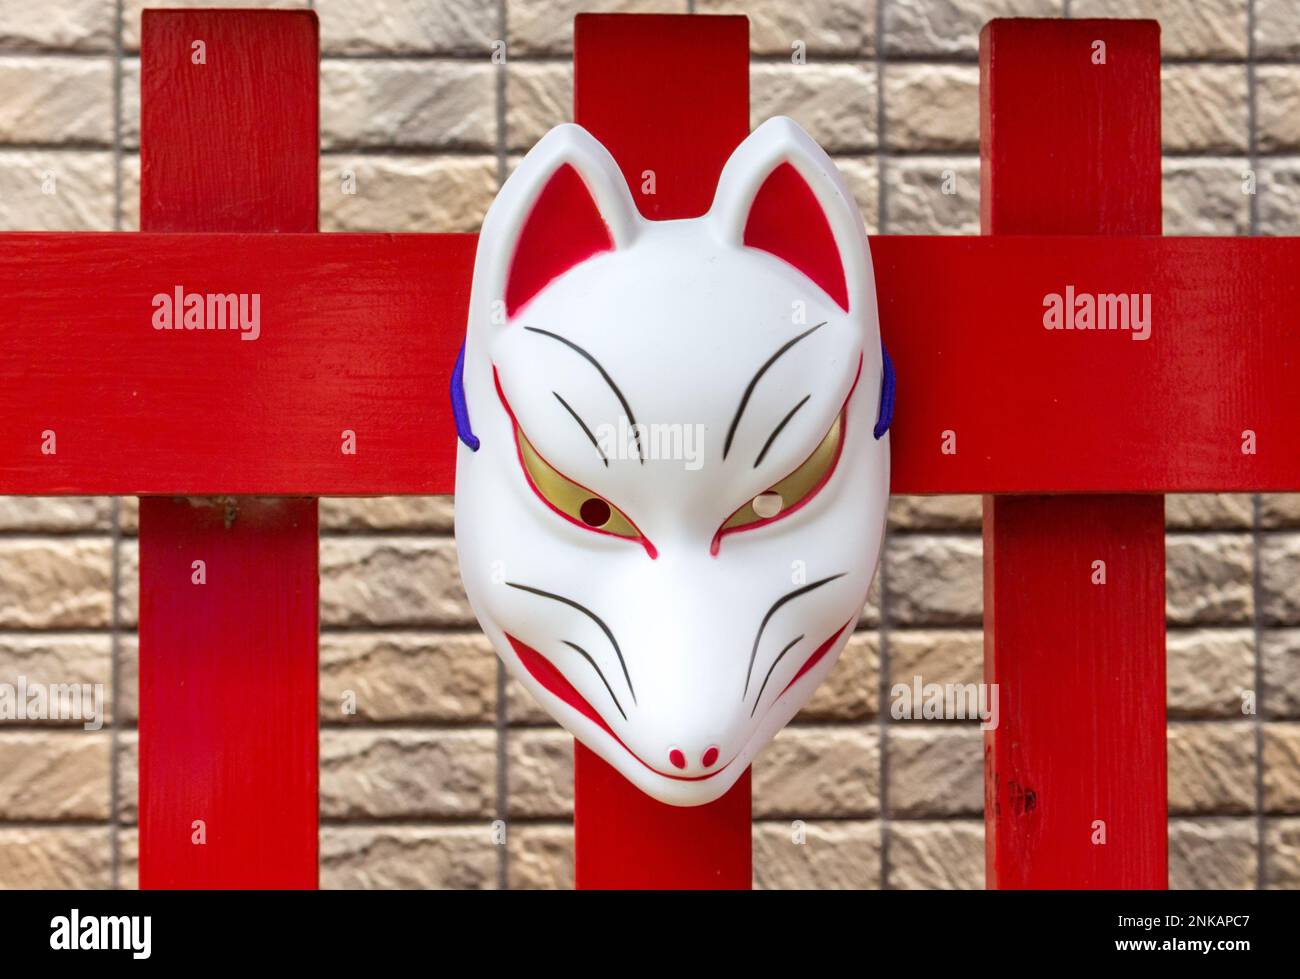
x,y
990,401
359,333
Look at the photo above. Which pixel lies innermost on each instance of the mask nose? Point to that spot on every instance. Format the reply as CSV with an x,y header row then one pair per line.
x,y
707,758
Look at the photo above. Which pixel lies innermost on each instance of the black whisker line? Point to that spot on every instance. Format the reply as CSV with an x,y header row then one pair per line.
x,y
583,424
788,646
589,614
744,399
587,656
636,433
787,597
777,431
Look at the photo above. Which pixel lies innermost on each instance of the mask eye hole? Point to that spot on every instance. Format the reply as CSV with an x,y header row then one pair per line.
x,y
767,505
595,512
573,501
790,493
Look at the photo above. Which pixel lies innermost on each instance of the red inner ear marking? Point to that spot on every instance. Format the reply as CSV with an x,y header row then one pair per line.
x,y
563,229
787,221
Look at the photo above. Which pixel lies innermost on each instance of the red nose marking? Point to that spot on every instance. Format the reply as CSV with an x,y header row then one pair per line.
x,y
710,756
677,758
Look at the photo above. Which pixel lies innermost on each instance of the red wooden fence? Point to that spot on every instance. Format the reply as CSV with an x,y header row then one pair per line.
x,y
1074,774
228,668
360,332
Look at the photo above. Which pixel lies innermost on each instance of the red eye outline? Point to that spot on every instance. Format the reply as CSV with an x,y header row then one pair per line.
x,y
523,466
843,418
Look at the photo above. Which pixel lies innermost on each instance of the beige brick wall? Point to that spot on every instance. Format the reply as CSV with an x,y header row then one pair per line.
x,y
440,745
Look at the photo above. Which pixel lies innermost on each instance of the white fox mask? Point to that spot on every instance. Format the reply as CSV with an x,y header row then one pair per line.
x,y
674,469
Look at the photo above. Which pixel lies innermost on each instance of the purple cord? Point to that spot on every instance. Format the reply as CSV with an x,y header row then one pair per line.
x,y
459,409
887,383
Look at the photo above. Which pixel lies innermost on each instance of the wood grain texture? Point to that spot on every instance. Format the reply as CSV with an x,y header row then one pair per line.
x,y
1074,587
228,667
1067,145
671,94
223,145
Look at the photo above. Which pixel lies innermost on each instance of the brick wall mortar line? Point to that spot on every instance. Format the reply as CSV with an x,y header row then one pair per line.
x,y
1252,135
502,724
115,643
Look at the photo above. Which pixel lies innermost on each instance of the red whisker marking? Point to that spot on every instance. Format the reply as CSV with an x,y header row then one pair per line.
x,y
815,658
546,673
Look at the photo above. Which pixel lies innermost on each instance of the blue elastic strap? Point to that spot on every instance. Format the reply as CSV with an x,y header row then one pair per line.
x,y
887,383
459,409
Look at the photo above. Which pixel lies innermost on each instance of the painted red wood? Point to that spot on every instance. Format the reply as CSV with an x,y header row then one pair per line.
x,y
371,351
625,839
228,667
228,688
1074,587
224,146
1068,146
1081,692
358,334
1049,411
668,94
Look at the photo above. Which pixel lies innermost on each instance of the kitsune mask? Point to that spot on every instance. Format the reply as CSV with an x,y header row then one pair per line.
x,y
669,499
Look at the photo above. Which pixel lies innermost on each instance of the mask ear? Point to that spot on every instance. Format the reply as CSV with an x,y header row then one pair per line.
x,y
566,202
781,193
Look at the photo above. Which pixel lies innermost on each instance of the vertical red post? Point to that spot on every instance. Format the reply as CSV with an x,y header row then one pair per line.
x,y
1075,770
667,94
228,671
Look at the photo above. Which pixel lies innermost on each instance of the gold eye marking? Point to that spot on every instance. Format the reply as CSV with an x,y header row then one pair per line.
x,y
576,502
789,492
